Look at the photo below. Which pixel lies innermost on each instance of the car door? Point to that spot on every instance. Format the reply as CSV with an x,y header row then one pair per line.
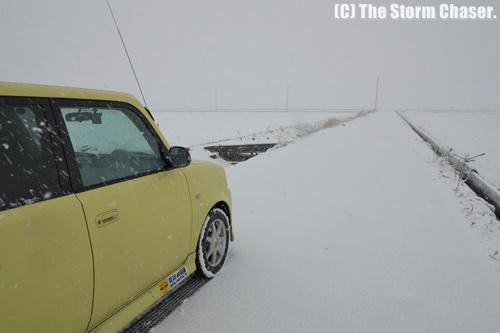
x,y
138,212
46,272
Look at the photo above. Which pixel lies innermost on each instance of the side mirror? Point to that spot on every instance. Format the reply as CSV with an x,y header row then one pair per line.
x,y
178,157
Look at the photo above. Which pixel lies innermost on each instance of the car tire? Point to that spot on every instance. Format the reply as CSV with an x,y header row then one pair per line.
x,y
213,243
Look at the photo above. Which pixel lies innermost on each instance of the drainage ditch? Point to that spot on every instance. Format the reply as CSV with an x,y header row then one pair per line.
x,y
238,153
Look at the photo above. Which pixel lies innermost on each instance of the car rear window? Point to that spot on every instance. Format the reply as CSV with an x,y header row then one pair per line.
x,y
27,167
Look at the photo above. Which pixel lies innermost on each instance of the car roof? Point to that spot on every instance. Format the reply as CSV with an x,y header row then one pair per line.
x,y
45,91
37,90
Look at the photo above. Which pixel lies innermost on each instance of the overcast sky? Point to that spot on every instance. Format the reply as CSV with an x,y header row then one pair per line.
x,y
248,52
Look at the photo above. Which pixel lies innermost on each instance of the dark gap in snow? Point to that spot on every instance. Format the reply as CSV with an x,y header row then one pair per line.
x,y
238,153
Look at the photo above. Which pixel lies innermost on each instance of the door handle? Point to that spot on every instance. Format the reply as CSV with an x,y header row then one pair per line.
x,y
107,218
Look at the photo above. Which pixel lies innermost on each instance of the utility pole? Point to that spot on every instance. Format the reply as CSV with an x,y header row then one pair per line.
x,y
287,95
215,99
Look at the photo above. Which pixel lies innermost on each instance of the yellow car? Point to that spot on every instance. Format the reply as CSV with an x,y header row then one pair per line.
x,y
99,216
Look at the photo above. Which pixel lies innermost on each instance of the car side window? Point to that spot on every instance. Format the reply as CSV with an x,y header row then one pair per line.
x,y
111,143
28,171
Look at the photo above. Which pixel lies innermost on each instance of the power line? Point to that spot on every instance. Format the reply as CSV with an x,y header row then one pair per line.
x,y
128,56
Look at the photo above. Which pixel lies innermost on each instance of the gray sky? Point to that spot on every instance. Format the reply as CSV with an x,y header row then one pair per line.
x,y
249,51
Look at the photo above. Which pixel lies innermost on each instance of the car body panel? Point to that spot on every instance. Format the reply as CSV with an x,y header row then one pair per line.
x,y
46,274
147,235
141,303
208,186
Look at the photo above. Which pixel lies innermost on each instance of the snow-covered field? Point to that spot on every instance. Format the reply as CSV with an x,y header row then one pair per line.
x,y
245,128
197,128
370,236
469,134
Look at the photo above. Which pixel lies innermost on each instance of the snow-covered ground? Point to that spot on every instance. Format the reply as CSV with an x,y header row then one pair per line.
x,y
236,128
205,127
468,134
371,236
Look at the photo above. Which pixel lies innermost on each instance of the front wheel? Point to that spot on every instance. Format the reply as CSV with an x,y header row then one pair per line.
x,y
212,247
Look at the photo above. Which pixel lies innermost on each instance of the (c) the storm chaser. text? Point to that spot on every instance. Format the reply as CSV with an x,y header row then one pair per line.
x,y
405,12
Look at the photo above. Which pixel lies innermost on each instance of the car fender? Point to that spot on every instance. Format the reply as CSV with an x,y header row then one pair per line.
x,y
208,189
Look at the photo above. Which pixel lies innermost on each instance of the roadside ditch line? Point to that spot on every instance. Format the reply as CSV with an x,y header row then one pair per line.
x,y
304,129
232,151
471,176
